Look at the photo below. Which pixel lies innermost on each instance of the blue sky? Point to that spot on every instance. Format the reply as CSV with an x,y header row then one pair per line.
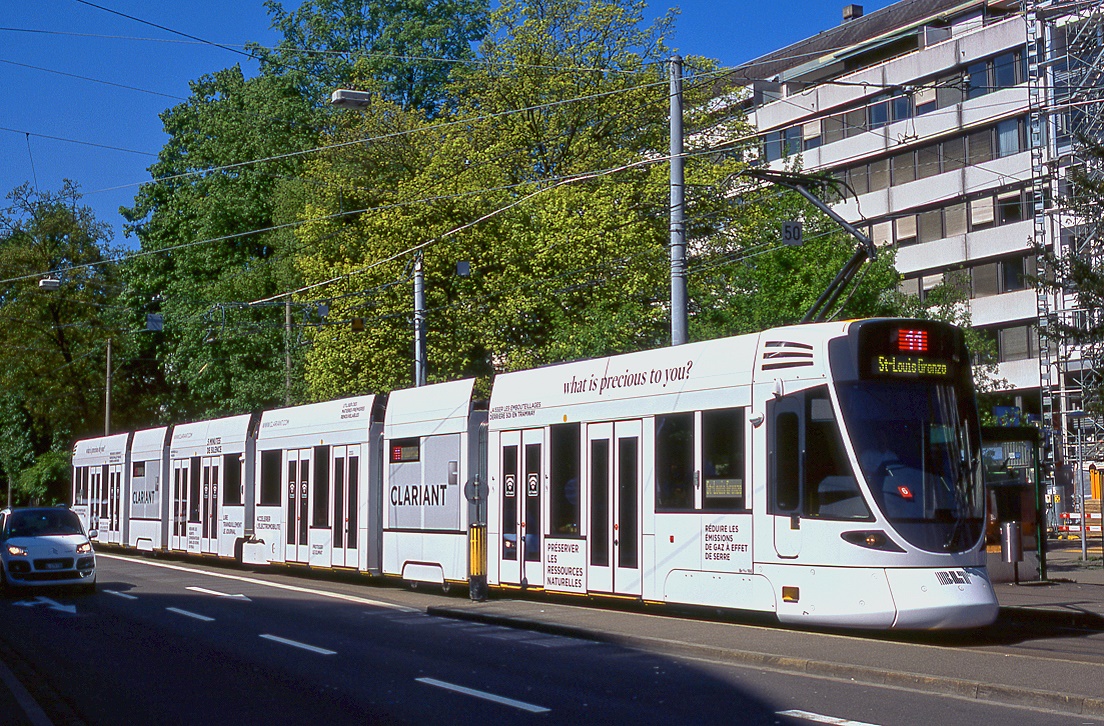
x,y
71,72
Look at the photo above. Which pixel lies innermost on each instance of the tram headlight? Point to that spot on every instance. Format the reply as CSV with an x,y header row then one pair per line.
x,y
873,539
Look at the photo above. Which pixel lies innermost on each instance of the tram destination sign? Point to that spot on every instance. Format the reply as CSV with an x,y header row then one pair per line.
x,y
911,366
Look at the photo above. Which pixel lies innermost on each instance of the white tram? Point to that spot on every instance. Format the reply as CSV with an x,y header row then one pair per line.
x,y
826,473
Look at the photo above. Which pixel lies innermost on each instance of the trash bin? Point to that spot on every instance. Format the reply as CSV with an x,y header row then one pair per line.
x,y
1011,542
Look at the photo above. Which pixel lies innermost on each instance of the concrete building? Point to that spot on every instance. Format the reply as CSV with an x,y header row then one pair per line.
x,y
952,121
922,108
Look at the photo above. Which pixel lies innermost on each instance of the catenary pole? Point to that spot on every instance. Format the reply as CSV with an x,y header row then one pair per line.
x,y
678,209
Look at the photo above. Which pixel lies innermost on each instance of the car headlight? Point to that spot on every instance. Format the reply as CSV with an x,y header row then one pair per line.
x,y
17,551
84,548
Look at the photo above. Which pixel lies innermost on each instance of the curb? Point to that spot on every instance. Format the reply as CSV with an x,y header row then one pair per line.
x,y
957,687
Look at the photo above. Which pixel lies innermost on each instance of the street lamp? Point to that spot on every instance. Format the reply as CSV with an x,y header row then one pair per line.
x,y
348,98
1076,416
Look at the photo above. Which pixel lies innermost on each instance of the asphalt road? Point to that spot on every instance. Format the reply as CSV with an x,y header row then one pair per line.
x,y
172,641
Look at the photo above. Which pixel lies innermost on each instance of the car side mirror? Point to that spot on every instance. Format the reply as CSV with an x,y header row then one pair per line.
x,y
93,533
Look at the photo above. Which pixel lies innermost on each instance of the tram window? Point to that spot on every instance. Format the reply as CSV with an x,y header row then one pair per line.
x,y
138,469
674,452
354,501
723,460
81,496
831,490
787,453
564,463
193,512
271,489
321,486
231,479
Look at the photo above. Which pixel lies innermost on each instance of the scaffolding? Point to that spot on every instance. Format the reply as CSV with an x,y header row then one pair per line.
x,y
1065,49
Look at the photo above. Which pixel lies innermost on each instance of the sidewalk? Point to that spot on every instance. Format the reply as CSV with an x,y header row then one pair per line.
x,y
1073,591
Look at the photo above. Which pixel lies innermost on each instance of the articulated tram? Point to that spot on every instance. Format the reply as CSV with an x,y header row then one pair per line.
x,y
827,473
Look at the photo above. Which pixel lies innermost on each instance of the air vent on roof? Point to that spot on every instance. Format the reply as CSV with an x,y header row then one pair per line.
x,y
781,354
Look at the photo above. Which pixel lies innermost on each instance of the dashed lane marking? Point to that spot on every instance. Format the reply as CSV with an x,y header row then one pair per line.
x,y
820,718
297,644
125,596
522,705
190,614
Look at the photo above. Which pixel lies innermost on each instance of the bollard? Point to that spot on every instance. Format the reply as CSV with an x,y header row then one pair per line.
x,y
1011,542
1012,547
477,562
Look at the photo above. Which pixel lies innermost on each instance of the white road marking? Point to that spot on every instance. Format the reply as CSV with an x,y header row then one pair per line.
x,y
297,644
190,614
484,695
123,595
205,591
265,583
819,718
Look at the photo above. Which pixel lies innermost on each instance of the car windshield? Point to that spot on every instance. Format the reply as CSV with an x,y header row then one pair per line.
x,y
40,522
918,450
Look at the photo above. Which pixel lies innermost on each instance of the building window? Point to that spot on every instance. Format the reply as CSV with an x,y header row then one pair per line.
x,y
877,114
981,213
859,180
977,77
772,146
986,279
792,141
954,153
930,226
980,146
1015,343
954,219
878,174
904,167
1008,137
1005,68
833,129
927,161
906,231
1010,208
854,122
900,107
948,91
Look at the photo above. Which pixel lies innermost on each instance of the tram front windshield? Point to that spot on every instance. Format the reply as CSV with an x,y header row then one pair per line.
x,y
917,444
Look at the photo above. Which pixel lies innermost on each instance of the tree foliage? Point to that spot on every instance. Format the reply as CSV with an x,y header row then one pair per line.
x,y
54,372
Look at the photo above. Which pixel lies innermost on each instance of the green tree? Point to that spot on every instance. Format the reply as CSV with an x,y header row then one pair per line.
x,y
211,236
53,371
542,179
403,50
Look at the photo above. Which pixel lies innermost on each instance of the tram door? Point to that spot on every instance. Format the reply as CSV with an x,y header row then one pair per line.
x,y
209,512
786,450
96,475
179,534
297,467
614,466
522,482
346,493
114,515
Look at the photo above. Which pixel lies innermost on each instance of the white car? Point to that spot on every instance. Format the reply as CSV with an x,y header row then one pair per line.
x,y
43,546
